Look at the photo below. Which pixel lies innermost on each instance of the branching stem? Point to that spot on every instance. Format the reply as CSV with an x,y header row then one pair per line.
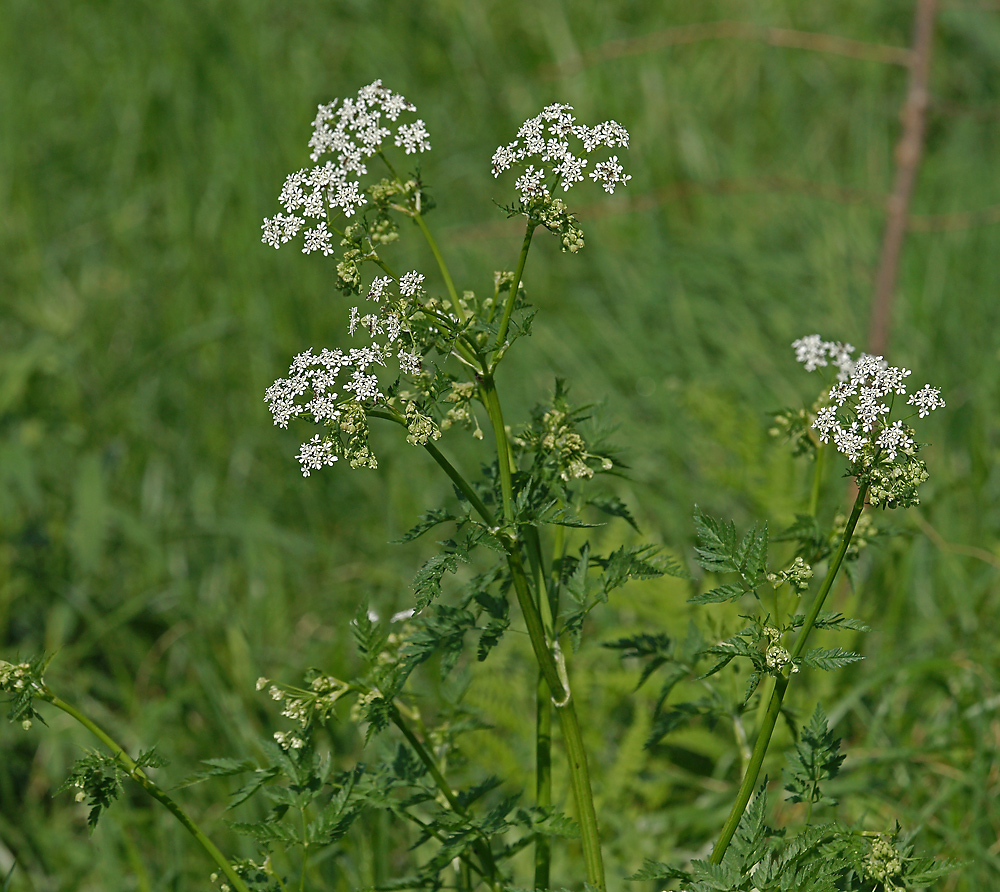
x,y
780,686
143,780
481,846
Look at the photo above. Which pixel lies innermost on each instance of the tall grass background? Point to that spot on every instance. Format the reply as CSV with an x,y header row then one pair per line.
x,y
154,531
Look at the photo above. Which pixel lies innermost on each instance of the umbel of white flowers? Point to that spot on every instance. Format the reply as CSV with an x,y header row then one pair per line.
x,y
545,140
856,414
334,388
351,131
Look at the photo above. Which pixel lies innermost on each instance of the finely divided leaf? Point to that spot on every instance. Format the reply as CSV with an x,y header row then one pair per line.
x,y
719,552
427,583
828,658
616,507
429,520
657,870
716,553
815,760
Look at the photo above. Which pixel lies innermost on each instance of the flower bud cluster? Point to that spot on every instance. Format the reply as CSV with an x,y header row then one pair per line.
x,y
304,706
351,131
857,418
797,575
554,434
883,862
776,656
14,677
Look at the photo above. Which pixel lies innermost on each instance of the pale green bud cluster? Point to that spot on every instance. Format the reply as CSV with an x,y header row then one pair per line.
x,y
14,677
777,657
884,863
304,706
797,575
420,428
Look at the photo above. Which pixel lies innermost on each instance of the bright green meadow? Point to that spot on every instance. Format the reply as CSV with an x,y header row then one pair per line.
x,y
157,537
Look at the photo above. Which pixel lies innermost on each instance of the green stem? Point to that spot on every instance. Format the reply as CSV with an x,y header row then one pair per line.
x,y
442,266
781,685
305,851
562,698
543,776
568,721
512,296
463,485
817,480
143,780
453,473
543,713
481,846
492,401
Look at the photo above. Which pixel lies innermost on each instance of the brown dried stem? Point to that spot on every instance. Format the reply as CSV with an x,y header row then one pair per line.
x,y
909,151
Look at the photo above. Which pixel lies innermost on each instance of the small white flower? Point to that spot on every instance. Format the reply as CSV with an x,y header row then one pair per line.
x,y
850,442
890,379
410,284
893,439
349,198
313,455
377,290
280,229
503,158
317,239
840,356
570,170
409,363
826,423
292,197
927,399
413,137
869,410
610,173
531,183
811,351
365,387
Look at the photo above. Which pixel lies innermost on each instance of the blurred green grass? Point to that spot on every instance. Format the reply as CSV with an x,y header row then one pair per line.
x,y
154,531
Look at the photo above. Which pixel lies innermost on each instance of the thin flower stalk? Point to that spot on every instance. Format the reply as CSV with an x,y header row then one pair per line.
x,y
512,296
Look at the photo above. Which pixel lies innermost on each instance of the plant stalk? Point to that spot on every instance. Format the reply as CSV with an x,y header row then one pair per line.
x,y
442,266
543,776
780,686
481,846
144,781
512,297
561,696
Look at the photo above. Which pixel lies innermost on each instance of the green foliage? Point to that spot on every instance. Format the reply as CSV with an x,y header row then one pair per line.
x,y
815,759
151,531
98,778
719,552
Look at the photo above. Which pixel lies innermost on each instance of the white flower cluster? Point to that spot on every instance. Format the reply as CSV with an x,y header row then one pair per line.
x,y
857,419
545,140
321,386
351,130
